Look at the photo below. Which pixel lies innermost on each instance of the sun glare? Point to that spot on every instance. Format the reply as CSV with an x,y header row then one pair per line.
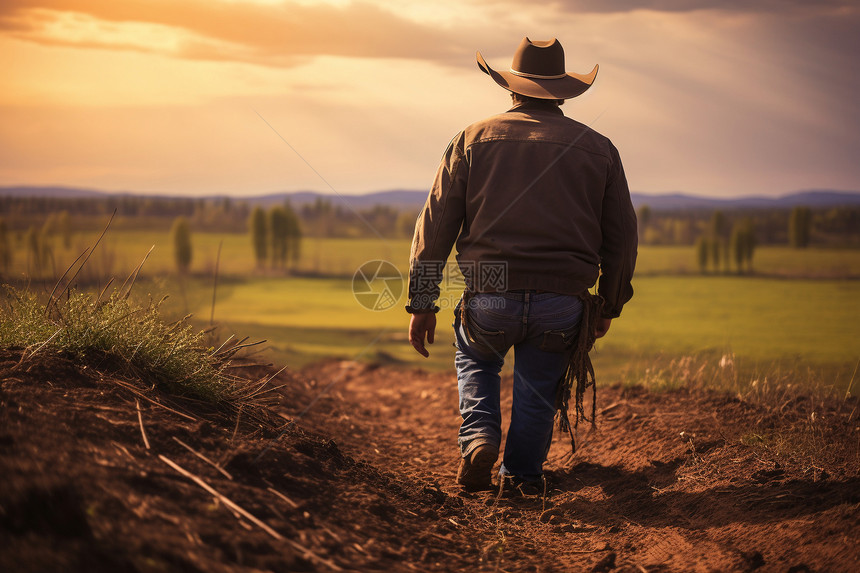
x,y
81,29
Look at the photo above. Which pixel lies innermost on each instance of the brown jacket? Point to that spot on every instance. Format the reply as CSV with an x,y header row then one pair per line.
x,y
533,192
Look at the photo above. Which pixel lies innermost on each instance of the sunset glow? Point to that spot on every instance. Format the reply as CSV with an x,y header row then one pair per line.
x,y
163,96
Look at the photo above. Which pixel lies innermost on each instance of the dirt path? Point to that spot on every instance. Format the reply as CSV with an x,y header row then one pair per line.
x,y
668,482
363,480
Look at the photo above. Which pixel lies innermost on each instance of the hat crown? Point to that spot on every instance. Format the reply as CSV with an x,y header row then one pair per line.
x,y
539,59
537,71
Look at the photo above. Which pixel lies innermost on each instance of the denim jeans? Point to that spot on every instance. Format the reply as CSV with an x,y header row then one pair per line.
x,y
541,327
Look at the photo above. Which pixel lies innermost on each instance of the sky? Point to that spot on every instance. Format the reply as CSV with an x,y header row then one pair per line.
x,y
723,98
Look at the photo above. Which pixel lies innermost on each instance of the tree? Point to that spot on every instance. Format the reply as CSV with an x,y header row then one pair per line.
x,y
294,235
750,242
259,235
718,224
717,239
324,216
682,231
715,247
181,233
406,224
46,247
279,234
5,248
737,247
742,244
643,217
63,226
703,251
33,241
800,227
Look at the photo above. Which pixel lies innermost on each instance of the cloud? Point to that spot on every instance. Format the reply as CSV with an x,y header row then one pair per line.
x,y
265,34
703,95
760,6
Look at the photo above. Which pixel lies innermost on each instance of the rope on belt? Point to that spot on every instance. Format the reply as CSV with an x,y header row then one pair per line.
x,y
579,374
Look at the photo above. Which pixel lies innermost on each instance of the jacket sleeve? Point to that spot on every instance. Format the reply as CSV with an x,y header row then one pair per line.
x,y
620,241
438,226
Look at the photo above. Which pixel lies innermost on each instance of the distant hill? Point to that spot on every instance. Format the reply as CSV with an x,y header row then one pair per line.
x,y
412,199
398,199
811,198
67,192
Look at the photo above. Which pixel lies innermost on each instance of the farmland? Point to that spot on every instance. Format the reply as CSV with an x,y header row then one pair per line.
x,y
796,312
762,322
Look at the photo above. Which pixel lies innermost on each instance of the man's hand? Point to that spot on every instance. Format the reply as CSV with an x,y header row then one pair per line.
x,y
602,327
421,324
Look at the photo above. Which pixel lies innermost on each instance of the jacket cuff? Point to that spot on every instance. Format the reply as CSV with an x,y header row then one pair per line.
x,y
422,302
413,310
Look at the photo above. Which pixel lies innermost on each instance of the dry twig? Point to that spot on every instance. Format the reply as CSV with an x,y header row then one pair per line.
x,y
140,419
223,499
137,392
202,457
283,497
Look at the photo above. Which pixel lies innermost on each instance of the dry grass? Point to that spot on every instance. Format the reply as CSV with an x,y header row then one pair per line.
x,y
131,342
800,417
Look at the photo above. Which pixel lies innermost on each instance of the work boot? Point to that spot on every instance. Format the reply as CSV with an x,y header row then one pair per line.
x,y
475,468
514,487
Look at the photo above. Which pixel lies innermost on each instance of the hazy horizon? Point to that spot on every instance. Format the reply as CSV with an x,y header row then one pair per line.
x,y
4,189
710,98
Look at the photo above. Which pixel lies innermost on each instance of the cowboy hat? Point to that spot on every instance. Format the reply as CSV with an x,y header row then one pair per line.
x,y
537,71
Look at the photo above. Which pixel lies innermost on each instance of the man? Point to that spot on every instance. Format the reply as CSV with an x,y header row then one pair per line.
x,y
538,206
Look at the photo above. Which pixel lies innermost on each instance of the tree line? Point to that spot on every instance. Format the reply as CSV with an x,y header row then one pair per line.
x,y
724,241
320,218
823,227
827,227
724,244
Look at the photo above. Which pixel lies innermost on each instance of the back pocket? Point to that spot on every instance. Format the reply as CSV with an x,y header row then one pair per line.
x,y
486,339
558,340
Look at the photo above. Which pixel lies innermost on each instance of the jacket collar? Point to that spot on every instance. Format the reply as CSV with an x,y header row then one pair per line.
x,y
548,106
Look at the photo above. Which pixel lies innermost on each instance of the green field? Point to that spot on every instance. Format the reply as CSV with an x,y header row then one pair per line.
x,y
761,325
768,323
121,251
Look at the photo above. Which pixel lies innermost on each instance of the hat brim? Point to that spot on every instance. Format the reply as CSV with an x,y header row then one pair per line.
x,y
569,86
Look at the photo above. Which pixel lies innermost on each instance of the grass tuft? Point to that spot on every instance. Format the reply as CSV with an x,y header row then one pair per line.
x,y
131,339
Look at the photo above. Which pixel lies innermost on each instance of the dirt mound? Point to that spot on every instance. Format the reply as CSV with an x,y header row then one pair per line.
x,y
81,492
360,477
